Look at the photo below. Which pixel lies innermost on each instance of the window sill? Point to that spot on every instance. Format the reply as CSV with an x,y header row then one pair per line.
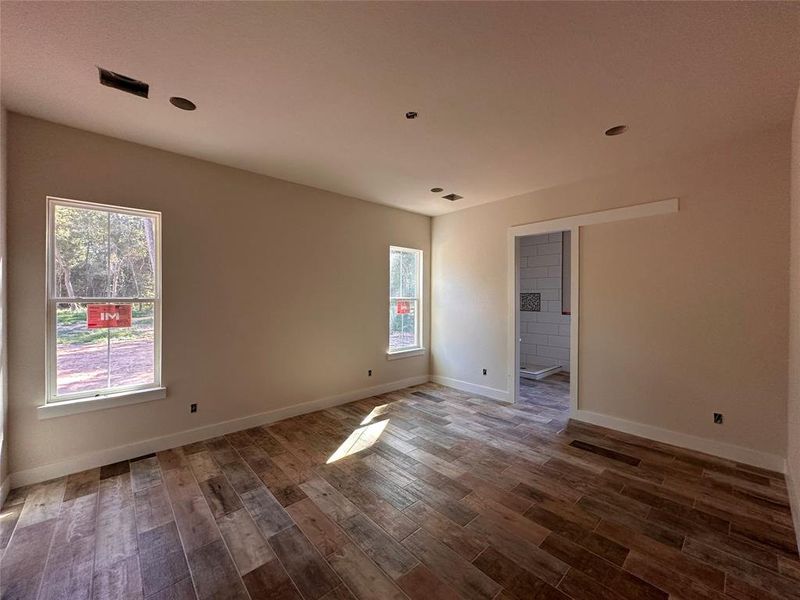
x,y
405,353
74,407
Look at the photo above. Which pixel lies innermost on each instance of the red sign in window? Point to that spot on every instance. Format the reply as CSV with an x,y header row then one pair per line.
x,y
108,315
403,307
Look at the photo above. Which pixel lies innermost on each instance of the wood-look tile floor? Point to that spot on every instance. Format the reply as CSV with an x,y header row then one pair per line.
x,y
434,494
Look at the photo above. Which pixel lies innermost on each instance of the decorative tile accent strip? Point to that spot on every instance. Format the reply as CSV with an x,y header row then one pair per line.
x,y
530,302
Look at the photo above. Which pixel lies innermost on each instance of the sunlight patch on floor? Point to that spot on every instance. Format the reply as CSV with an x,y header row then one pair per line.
x,y
359,440
375,413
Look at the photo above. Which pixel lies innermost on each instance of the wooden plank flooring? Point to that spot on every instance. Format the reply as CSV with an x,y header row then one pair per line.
x,y
434,494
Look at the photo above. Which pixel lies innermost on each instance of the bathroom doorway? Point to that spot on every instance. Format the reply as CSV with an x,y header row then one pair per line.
x,y
544,318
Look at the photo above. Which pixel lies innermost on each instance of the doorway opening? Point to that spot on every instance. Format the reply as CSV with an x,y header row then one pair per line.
x,y
544,322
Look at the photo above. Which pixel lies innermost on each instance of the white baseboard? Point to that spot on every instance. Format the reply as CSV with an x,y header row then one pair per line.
x,y
104,457
756,458
793,485
472,388
5,487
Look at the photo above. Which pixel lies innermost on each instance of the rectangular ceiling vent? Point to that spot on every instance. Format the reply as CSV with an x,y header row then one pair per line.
x,y
123,83
452,197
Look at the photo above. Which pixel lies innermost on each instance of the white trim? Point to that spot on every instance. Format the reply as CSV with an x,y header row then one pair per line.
x,y
637,211
134,212
513,375
794,497
5,487
573,224
472,388
756,458
128,451
82,405
405,353
574,319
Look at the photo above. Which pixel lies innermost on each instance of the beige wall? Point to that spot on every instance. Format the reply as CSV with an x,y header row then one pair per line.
x,y
274,293
793,413
3,355
680,315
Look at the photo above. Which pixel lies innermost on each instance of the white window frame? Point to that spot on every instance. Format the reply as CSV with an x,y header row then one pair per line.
x,y
108,397
417,348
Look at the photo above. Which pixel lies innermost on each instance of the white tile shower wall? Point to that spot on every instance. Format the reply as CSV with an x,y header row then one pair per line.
x,y
545,334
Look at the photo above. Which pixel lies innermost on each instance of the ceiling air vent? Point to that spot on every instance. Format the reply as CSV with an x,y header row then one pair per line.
x,y
123,83
452,197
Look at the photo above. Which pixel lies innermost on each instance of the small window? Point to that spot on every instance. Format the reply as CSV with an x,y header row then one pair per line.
x,y
405,294
104,300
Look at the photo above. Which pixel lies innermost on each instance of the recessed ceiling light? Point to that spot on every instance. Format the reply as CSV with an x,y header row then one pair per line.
x,y
452,197
617,130
437,190
411,115
182,103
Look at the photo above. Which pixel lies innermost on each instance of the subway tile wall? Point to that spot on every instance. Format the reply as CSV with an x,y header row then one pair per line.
x,y
545,334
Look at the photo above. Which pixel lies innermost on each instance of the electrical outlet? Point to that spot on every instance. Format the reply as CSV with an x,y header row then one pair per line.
x,y
718,418
369,373
484,371
193,408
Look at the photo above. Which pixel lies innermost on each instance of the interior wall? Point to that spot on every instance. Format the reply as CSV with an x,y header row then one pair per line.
x,y
544,332
680,315
274,294
793,412
4,462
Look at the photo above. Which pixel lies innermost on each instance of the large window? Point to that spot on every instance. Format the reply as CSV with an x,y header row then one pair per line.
x,y
104,300
405,293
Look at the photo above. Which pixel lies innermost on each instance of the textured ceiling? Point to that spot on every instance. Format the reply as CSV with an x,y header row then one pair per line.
x,y
512,97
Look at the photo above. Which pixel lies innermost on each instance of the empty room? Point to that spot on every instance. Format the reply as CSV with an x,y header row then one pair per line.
x,y
399,300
